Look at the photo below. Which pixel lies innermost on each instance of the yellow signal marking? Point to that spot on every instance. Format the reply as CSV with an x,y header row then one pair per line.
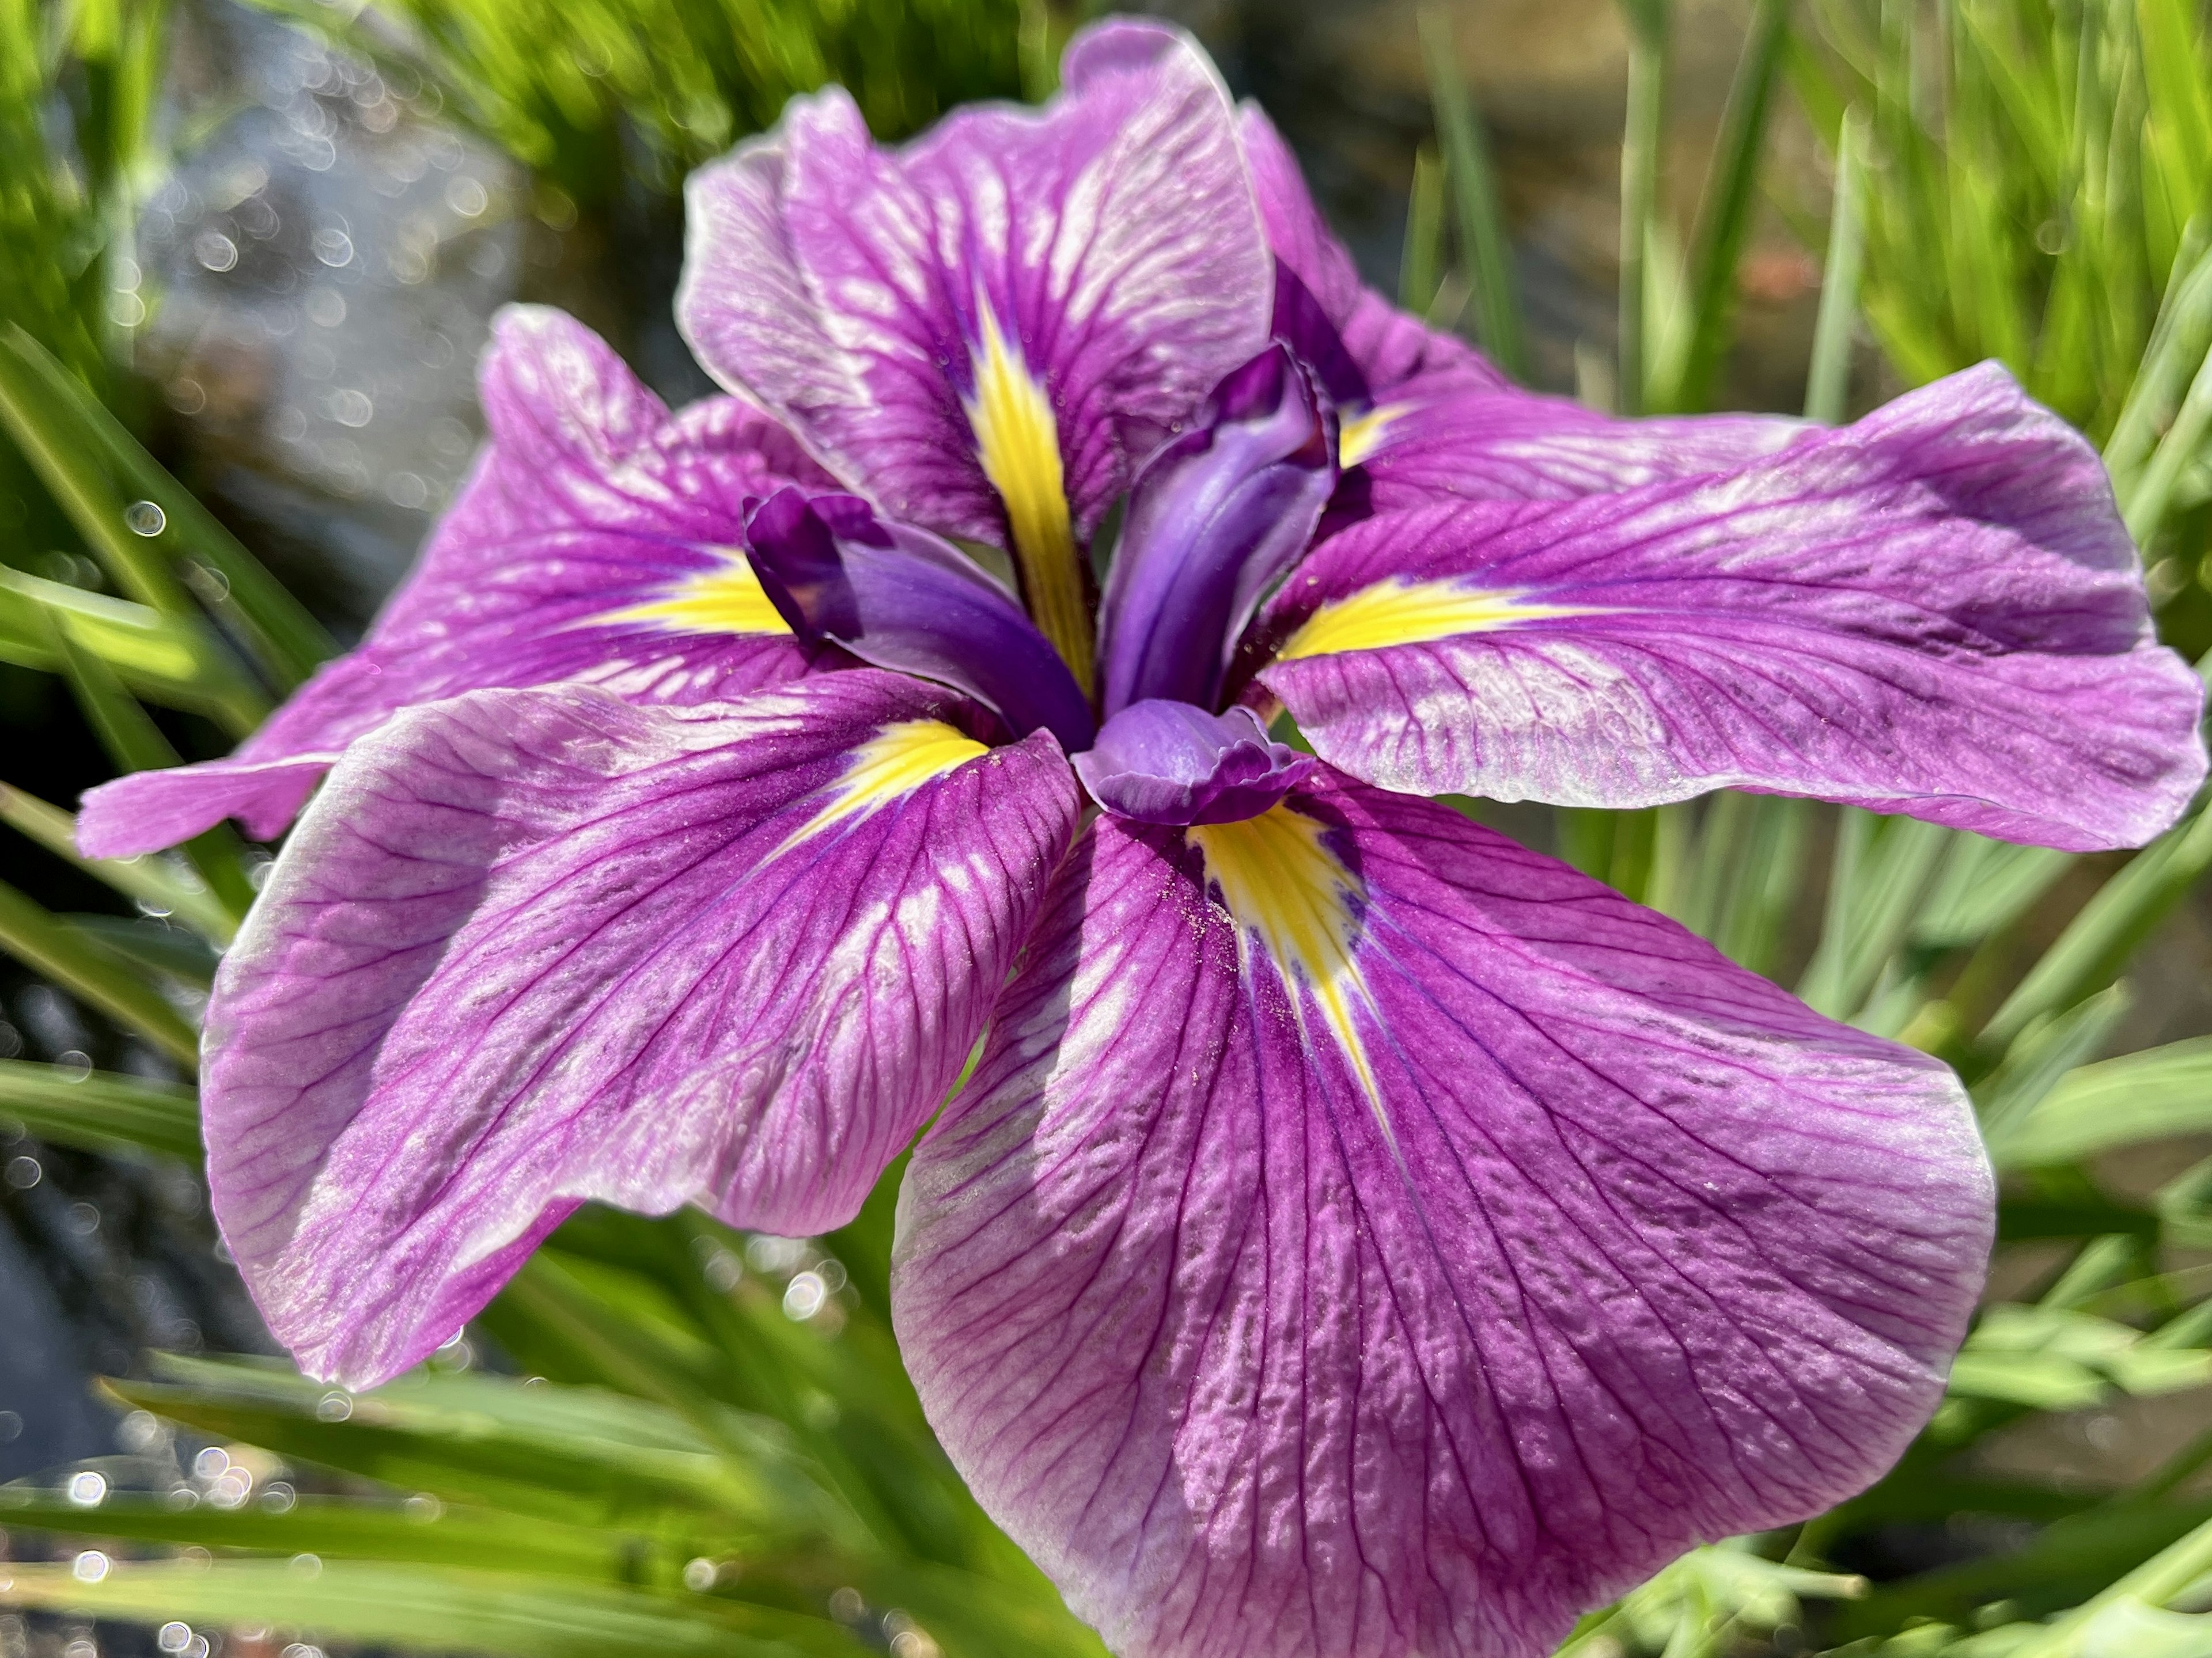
x,y
1361,434
725,599
1018,441
1285,888
1402,612
890,765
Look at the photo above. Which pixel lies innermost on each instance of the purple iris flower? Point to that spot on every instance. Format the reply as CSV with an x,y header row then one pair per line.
x,y
1360,1235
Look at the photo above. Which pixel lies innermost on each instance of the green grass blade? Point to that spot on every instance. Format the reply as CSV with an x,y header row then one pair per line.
x,y
151,881
1881,871
567,1453
1827,385
2149,501
1643,130
40,942
1478,216
1725,211
287,642
136,744
346,1528
2157,1094
157,658
430,1608
2099,942
1984,885
2178,339
100,1111
2156,1581
1753,912
2040,1060
69,464
1421,263
80,486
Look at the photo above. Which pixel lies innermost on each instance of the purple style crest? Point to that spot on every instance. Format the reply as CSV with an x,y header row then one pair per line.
x,y
1361,1237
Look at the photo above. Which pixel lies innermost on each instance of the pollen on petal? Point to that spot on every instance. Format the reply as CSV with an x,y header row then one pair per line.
x,y
887,767
725,598
1293,898
1401,612
1017,442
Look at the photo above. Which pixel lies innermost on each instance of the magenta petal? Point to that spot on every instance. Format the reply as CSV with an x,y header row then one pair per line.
x,y
1390,348
1613,1248
1172,762
1935,611
1109,239
588,505
903,599
1215,519
149,810
529,948
1516,446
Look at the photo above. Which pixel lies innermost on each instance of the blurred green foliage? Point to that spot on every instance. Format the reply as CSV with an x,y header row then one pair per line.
x,y
2041,177
596,94
2042,193
712,1448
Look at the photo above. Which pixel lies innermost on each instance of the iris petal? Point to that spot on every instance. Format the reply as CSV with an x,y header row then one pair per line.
x,y
901,597
530,948
1170,762
1109,243
1935,611
1397,355
577,549
1617,1248
1216,519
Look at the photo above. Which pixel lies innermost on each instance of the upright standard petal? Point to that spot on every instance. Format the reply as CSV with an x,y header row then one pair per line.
x,y
987,329
1365,1238
598,538
1216,519
1935,611
529,948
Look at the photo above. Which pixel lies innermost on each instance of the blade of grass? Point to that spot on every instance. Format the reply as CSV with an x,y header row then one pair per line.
x,y
1478,216
2155,1582
1882,867
349,1528
2159,1094
80,485
2178,339
430,1608
2098,942
287,642
1420,264
1643,128
1725,211
101,1111
1827,385
2147,503
151,881
35,938
156,658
